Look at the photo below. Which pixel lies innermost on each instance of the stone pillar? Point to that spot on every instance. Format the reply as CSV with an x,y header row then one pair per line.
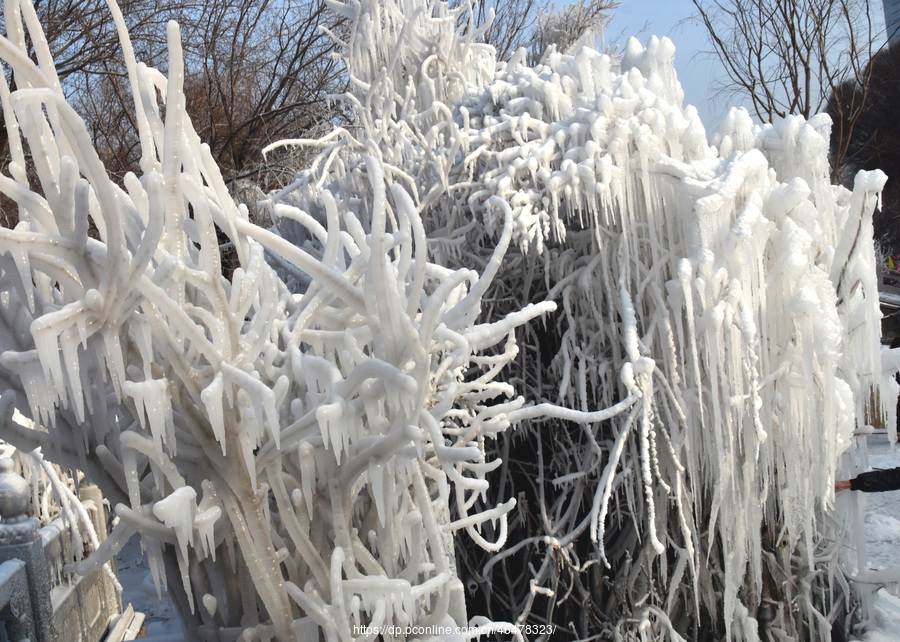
x,y
20,539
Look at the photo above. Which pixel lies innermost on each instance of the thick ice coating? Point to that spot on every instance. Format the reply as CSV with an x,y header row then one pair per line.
x,y
711,311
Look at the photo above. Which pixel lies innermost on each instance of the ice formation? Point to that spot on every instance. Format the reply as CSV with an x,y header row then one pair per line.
x,y
320,425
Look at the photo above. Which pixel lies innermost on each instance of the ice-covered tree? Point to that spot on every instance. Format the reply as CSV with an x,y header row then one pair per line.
x,y
728,289
302,444
289,458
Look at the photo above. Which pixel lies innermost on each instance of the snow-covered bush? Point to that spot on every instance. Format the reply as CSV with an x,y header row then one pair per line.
x,y
291,457
301,441
730,290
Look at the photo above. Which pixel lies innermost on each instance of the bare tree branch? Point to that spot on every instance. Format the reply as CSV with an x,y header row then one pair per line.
x,y
788,56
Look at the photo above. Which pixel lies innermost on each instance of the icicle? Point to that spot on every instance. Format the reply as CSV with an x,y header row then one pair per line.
x,y
694,287
210,604
204,523
152,399
308,474
376,480
328,416
153,549
178,512
132,480
211,396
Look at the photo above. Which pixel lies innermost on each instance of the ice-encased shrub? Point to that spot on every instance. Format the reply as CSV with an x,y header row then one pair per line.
x,y
299,442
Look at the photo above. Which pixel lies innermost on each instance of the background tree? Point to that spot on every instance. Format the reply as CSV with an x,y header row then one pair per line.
x,y
515,23
788,56
565,27
85,47
535,25
869,137
255,72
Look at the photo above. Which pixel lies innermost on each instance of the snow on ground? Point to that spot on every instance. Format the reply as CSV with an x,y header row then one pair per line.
x,y
887,619
882,530
882,509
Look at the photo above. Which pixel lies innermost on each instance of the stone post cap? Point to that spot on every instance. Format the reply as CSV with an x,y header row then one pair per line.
x,y
15,493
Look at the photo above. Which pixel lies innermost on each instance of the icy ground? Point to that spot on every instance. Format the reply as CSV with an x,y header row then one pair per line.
x,y
887,617
882,527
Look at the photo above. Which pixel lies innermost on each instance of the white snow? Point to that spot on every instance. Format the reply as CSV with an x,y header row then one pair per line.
x,y
886,619
880,532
